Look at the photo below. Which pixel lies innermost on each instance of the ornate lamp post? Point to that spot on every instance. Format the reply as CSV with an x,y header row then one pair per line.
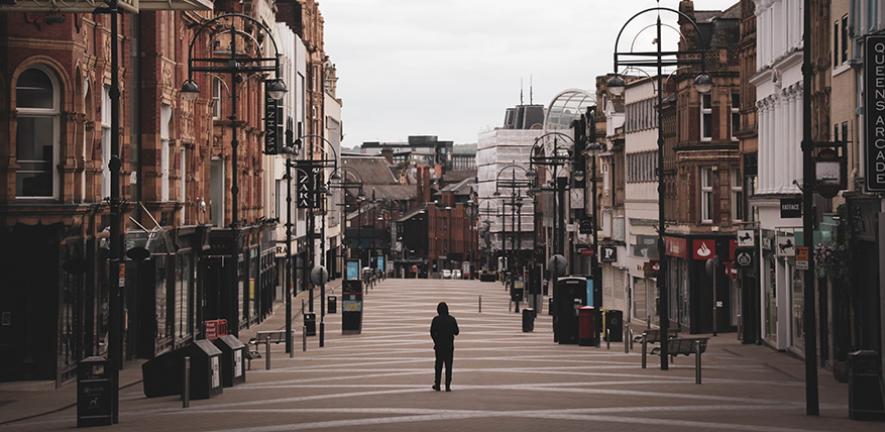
x,y
516,187
616,86
244,56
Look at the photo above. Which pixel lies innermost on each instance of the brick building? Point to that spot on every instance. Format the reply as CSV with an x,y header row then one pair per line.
x,y
176,177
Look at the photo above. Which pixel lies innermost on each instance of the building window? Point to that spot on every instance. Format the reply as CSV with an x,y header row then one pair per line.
x,y
835,43
738,209
165,126
836,132
844,46
845,132
105,142
37,108
706,195
216,98
706,117
182,184
735,114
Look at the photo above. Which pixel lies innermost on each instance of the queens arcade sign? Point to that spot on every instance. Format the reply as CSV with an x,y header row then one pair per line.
x,y
874,127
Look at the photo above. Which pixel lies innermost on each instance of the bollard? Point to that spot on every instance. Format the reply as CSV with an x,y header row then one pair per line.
x,y
267,353
630,331
291,351
608,339
697,362
626,343
304,338
644,346
322,332
480,304
186,385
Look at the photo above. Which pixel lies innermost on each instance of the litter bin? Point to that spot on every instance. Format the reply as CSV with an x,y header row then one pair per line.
x,y
865,387
614,325
162,374
233,368
588,332
528,320
331,304
95,387
310,323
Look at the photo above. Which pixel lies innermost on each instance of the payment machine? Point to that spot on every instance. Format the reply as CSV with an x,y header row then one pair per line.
x,y
352,299
569,293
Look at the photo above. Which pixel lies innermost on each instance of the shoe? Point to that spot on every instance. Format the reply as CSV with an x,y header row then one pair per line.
x,y
435,387
448,389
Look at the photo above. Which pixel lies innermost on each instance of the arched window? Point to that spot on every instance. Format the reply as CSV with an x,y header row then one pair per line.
x,y
37,107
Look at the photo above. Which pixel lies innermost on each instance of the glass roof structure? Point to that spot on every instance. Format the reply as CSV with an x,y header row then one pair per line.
x,y
567,106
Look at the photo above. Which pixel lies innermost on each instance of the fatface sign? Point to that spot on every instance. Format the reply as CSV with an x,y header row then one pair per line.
x,y
791,208
874,127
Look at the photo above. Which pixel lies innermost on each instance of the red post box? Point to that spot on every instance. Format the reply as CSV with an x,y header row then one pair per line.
x,y
588,333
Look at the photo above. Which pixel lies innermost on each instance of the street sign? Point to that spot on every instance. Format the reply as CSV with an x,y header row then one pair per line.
x,y
802,255
746,239
791,208
744,259
874,120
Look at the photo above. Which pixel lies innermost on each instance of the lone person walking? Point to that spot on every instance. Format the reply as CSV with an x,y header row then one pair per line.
x,y
443,330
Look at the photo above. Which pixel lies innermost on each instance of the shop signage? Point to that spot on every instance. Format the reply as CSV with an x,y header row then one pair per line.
x,y
791,208
703,249
786,245
744,259
802,258
609,253
874,121
273,125
646,247
306,195
676,247
586,226
746,239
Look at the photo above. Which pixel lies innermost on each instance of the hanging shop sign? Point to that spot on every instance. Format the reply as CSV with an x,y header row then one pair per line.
x,y
609,253
746,239
786,245
874,121
791,208
676,247
802,254
744,259
703,249
646,247
273,125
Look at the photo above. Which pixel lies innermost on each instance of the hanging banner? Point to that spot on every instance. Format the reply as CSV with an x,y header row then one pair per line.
x,y
874,121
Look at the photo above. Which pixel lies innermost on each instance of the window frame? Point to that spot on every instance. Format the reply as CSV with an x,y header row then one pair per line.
x,y
55,114
704,111
105,141
735,112
737,196
706,190
217,109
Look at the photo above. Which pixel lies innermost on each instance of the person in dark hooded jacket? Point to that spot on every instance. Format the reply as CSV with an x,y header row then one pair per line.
x,y
443,330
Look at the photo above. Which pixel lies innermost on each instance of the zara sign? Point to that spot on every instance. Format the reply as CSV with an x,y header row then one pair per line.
x,y
874,127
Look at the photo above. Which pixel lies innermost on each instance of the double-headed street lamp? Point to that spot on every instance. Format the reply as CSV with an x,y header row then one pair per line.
x,y
515,201
554,150
703,84
243,56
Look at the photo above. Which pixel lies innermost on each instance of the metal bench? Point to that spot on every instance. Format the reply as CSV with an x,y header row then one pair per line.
x,y
686,347
265,337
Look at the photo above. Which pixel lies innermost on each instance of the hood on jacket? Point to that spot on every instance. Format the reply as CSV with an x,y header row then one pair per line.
x,y
442,308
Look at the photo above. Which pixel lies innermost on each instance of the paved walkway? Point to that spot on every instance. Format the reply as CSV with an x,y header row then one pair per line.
x,y
504,380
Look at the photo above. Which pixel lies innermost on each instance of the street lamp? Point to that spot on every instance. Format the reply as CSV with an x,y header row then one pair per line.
x,y
237,63
515,202
703,84
559,157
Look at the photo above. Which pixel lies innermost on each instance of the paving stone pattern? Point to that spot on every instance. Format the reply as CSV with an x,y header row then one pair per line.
x,y
504,380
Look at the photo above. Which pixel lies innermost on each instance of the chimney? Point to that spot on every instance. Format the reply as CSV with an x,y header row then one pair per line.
x,y
388,155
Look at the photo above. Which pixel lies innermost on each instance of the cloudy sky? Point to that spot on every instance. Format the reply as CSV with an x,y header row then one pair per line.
x,y
451,67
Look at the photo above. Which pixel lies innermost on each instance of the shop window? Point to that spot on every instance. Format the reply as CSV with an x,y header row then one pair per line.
x,y
37,137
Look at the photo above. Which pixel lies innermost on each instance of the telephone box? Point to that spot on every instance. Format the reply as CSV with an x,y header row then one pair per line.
x,y
569,293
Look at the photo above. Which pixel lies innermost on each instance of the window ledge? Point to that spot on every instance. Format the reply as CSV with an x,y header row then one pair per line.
x,y
842,68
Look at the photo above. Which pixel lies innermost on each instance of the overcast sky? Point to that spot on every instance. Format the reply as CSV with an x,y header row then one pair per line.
x,y
451,67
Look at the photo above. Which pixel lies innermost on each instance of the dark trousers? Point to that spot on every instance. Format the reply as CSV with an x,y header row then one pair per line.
x,y
444,355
